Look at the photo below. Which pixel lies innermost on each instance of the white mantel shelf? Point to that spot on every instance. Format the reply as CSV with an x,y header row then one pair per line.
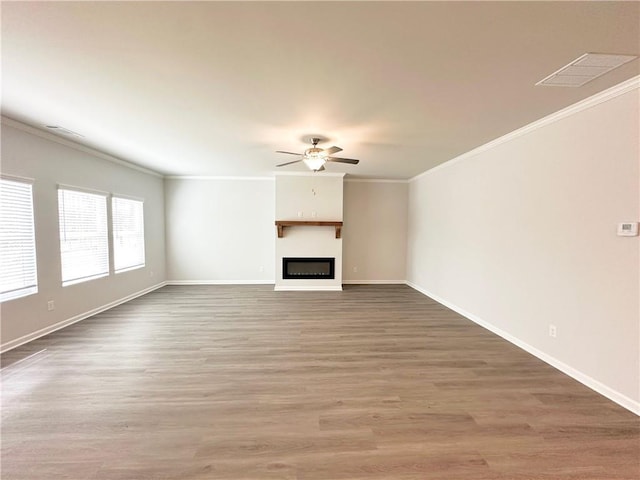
x,y
281,224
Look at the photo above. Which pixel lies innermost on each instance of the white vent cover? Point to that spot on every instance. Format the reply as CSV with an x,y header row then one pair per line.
x,y
584,69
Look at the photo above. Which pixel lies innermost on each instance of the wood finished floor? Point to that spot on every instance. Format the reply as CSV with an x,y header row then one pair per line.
x,y
241,382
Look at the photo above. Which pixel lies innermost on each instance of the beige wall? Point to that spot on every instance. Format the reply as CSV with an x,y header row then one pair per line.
x,y
50,163
375,231
220,230
523,235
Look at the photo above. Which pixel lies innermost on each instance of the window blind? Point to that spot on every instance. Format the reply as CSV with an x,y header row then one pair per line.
x,y
128,233
18,273
84,243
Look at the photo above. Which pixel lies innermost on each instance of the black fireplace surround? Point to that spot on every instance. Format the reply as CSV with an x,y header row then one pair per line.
x,y
308,268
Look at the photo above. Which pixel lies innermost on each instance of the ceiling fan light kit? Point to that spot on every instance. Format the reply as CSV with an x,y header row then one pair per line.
x,y
314,163
315,157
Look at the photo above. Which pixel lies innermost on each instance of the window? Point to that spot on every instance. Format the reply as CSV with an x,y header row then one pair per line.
x,y
128,234
84,243
18,274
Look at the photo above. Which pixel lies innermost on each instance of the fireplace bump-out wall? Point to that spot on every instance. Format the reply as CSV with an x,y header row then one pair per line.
x,y
311,197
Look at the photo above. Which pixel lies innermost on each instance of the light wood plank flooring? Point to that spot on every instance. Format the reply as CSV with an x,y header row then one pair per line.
x,y
241,382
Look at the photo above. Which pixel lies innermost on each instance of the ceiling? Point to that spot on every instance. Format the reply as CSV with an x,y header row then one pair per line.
x,y
214,88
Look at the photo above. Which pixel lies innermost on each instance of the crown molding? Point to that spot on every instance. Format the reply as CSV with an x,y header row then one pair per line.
x,y
76,146
209,177
376,180
272,178
601,97
308,174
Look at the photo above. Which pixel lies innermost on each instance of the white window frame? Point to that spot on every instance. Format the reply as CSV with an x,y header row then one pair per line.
x,y
17,239
128,241
96,237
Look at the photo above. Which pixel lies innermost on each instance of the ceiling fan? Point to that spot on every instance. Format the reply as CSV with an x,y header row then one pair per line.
x,y
316,157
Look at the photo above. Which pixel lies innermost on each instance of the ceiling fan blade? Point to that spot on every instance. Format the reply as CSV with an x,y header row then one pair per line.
x,y
289,153
288,163
320,169
333,149
352,161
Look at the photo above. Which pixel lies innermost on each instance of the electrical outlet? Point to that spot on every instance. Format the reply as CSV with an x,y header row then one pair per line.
x,y
552,331
300,214
150,273
51,305
314,214
261,268
355,269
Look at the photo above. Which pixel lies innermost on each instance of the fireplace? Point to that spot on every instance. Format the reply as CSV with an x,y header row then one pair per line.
x,y
308,268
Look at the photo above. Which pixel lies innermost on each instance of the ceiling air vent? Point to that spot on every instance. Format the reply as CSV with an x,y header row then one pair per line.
x,y
584,69
62,131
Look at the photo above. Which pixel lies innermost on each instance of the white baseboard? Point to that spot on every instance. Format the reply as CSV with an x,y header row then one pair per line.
x,y
272,282
220,282
374,282
328,288
5,347
586,380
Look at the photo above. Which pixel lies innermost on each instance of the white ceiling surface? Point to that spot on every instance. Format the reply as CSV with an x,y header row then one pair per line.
x,y
214,88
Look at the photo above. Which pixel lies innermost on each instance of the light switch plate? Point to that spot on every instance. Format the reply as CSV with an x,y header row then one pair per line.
x,y
628,229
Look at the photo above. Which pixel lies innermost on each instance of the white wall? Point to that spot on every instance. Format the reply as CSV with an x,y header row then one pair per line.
x,y
220,230
523,235
375,231
309,197
308,194
50,163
